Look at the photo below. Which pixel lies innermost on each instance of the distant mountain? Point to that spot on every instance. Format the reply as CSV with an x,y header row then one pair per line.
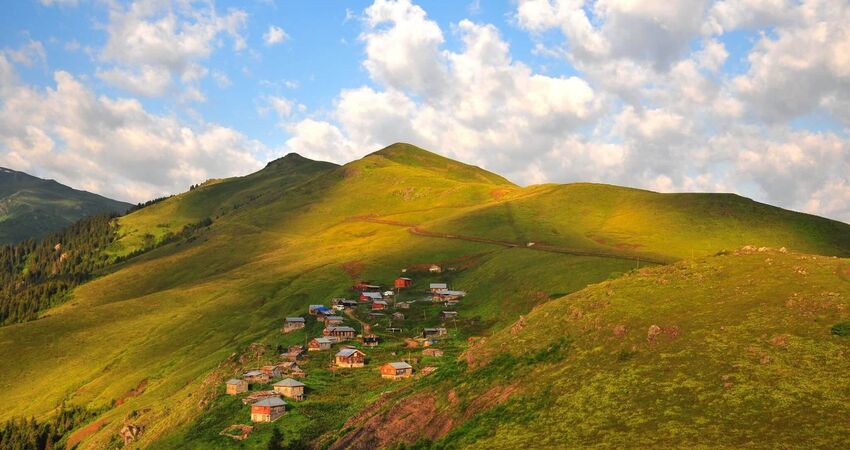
x,y
32,207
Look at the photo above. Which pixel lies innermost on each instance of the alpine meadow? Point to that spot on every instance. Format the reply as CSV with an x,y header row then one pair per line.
x,y
424,225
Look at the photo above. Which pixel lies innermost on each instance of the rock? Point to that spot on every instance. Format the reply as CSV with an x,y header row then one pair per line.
x,y
130,432
652,333
783,250
519,325
779,341
620,330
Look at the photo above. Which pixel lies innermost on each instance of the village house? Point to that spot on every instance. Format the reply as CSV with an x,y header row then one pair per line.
x,y
435,268
255,376
398,316
396,370
402,305
321,343
341,304
339,333
350,357
364,287
293,323
388,293
436,352
235,386
433,332
376,315
447,295
319,310
293,353
370,340
271,371
448,314
288,366
268,409
435,287
370,296
379,305
297,373
333,320
290,388
403,282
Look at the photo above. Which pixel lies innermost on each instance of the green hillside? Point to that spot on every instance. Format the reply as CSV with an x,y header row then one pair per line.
x,y
150,340
31,207
742,350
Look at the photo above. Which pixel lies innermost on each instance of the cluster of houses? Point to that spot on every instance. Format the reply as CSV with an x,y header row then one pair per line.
x,y
268,406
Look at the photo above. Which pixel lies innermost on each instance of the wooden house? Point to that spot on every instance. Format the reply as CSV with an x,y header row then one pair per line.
x,y
446,295
435,268
396,370
290,388
255,376
448,314
333,320
319,310
297,373
350,357
288,366
321,343
398,316
370,296
434,332
235,386
268,409
370,340
379,305
293,353
339,333
436,352
403,282
271,371
341,304
376,315
402,305
293,323
436,287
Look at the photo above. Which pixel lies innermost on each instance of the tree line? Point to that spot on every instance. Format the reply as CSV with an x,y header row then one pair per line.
x,y
30,434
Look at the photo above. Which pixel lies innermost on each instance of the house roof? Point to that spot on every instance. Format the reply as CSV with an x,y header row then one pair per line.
x,y
252,373
289,382
343,328
379,302
448,292
234,381
316,306
270,401
405,278
439,285
333,318
372,295
346,352
400,365
294,319
323,340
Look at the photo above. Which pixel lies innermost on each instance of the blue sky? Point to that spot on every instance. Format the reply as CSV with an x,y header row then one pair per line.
x,y
141,98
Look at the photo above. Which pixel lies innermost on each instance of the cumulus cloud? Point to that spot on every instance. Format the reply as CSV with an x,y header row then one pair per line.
x,y
113,146
275,35
151,44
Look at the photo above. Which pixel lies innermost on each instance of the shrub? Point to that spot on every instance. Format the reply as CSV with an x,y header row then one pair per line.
x,y
841,329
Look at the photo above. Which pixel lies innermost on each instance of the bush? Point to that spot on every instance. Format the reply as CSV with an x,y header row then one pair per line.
x,y
841,329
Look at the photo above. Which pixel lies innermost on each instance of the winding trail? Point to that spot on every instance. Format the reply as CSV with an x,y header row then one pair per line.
x,y
416,230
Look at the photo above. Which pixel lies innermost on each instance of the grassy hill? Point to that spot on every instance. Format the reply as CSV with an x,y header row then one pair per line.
x,y
31,207
151,339
731,351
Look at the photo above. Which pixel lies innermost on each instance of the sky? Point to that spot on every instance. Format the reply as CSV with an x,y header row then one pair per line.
x,y
139,99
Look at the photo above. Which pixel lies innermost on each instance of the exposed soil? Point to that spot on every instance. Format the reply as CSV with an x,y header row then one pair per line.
x,y
135,392
84,432
353,269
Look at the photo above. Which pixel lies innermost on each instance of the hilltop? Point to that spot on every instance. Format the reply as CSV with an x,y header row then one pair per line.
x,y
200,277
32,207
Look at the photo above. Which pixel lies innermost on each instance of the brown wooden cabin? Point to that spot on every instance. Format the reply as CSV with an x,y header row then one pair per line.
x,y
339,333
398,316
290,388
350,357
268,409
371,340
271,371
437,287
396,370
235,386
321,343
291,324
255,376
448,314
333,320
434,332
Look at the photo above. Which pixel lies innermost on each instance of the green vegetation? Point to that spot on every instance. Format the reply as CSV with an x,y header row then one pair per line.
x,y
152,339
23,434
31,207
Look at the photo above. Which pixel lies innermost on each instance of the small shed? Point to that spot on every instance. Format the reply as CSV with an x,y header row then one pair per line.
x,y
235,386
398,316
435,268
434,332
403,282
271,371
350,357
448,314
396,370
268,409
435,287
370,340
255,376
290,388
435,352
447,295
370,296
321,343
293,323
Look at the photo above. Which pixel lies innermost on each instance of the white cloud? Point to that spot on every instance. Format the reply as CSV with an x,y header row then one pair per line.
x,y
29,54
156,42
275,35
112,145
